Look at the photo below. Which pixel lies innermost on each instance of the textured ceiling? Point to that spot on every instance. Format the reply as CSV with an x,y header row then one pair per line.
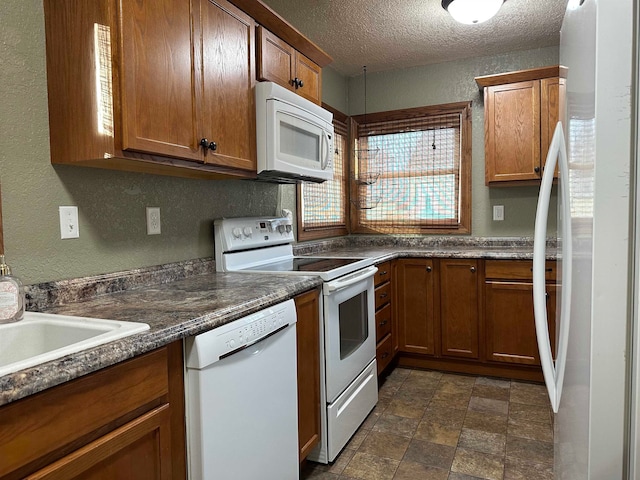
x,y
392,34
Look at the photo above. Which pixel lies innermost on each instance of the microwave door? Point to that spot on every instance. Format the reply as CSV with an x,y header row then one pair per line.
x,y
298,142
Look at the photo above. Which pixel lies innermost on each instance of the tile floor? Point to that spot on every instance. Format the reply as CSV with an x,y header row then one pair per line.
x,y
436,426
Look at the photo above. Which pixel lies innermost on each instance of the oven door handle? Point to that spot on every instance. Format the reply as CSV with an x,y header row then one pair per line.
x,y
348,280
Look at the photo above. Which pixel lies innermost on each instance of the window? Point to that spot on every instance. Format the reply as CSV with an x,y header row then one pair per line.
x,y
322,207
412,171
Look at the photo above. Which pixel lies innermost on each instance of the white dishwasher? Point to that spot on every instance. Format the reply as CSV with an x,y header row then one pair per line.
x,y
242,400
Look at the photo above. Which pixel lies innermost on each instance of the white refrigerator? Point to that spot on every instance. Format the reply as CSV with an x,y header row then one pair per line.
x,y
593,381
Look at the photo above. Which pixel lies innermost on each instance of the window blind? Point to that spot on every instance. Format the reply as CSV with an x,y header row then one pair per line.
x,y
411,171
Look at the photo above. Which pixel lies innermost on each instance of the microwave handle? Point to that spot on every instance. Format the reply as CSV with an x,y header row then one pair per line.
x,y
325,157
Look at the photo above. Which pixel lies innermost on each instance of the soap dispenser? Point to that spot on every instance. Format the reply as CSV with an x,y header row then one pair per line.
x,y
11,295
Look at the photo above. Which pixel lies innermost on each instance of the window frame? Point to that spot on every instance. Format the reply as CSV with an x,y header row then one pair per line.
x,y
464,224
316,233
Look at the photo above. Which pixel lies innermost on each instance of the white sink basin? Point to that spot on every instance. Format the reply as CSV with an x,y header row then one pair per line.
x,y
42,337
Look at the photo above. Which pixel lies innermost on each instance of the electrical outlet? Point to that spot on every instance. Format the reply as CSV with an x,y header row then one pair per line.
x,y
498,212
69,227
153,220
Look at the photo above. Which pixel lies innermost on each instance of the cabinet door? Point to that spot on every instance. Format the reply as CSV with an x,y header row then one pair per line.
x,y
228,76
140,449
157,79
308,341
552,109
459,308
416,307
309,74
510,325
276,62
512,132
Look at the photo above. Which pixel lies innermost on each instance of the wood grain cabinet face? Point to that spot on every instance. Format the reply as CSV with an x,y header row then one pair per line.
x,y
459,302
384,304
125,421
510,324
520,118
416,286
308,346
280,63
147,82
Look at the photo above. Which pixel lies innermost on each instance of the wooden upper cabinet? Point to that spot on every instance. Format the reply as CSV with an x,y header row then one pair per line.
x,y
459,306
280,63
157,77
521,111
228,76
138,86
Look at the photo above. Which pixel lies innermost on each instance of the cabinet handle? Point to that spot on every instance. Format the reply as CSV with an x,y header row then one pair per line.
x,y
210,145
385,354
384,272
546,269
428,268
384,295
473,269
297,83
383,323
536,169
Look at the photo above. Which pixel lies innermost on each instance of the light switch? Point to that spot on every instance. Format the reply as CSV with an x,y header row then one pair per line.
x,y
69,227
498,212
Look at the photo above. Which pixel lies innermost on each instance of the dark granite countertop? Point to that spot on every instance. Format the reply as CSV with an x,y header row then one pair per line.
x,y
173,310
188,298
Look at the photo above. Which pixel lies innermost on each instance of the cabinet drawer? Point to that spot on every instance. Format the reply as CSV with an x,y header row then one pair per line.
x,y
383,322
517,269
383,274
384,353
383,295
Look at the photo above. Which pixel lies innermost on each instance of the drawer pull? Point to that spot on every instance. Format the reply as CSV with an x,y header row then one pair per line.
x,y
385,355
383,323
384,295
428,268
384,272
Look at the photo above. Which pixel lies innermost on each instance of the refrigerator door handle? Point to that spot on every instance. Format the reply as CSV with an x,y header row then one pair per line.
x,y
553,373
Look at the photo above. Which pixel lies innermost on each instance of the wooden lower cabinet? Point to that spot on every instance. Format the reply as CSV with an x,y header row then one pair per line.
x,y
416,280
125,421
308,343
510,324
470,316
459,308
384,306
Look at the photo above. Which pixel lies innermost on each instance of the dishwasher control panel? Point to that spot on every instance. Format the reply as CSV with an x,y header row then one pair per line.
x,y
228,339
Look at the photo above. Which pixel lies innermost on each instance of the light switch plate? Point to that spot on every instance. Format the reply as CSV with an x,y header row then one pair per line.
x,y
498,212
69,227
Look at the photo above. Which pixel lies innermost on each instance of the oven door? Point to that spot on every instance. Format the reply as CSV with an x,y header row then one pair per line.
x,y
349,329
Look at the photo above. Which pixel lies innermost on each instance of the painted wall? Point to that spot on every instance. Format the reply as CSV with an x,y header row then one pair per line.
x,y
111,204
454,82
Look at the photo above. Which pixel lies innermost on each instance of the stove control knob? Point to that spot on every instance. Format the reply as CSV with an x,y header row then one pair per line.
x,y
246,231
236,232
289,228
281,229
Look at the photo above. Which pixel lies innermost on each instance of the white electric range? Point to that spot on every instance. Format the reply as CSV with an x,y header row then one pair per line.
x,y
349,385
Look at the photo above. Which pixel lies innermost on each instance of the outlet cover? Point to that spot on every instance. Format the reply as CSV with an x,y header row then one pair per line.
x,y
153,220
69,227
498,212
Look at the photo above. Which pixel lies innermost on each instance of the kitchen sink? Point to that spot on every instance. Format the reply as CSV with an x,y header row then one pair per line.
x,y
42,337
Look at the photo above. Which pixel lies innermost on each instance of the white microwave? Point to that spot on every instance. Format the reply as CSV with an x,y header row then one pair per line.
x,y
294,137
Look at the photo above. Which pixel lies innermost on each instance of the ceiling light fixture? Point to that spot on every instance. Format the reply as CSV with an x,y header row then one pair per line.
x,y
472,11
